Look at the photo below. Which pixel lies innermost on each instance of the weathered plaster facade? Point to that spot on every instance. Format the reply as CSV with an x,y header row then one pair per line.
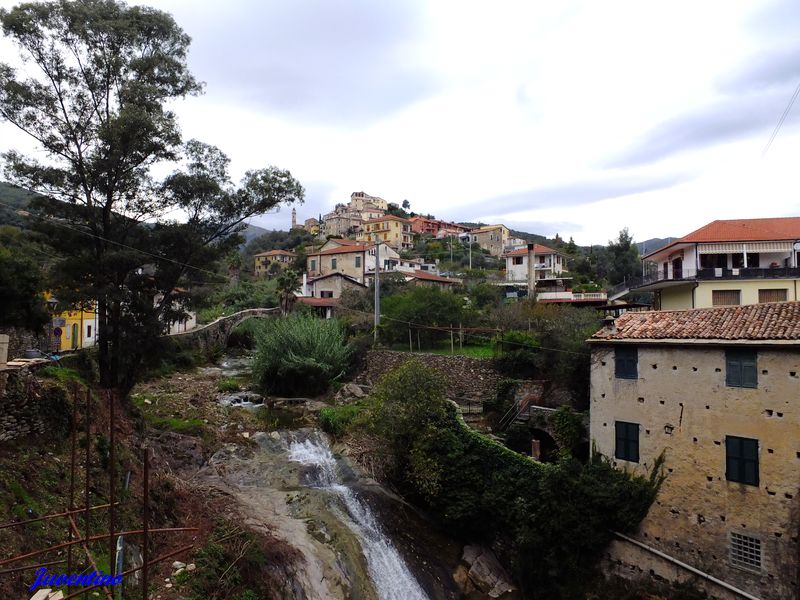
x,y
685,410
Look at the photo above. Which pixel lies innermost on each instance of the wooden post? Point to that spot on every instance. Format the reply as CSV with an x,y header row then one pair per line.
x,y
73,439
145,519
452,341
410,343
419,344
461,336
88,462
112,484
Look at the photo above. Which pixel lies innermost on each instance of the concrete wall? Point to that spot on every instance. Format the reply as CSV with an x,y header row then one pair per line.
x,y
685,410
467,378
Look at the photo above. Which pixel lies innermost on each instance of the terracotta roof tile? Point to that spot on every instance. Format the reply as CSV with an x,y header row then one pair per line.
x,y
347,249
424,275
742,230
770,321
538,249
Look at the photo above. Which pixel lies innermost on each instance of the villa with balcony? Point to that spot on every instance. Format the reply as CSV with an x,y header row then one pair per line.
x,y
735,262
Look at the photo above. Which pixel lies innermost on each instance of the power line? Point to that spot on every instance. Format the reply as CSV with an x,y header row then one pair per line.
x,y
466,333
781,120
56,222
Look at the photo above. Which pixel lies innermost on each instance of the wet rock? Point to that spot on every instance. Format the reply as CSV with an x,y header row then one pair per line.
x,y
486,572
244,399
349,392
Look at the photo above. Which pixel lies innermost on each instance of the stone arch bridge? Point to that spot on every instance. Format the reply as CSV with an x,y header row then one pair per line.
x,y
214,336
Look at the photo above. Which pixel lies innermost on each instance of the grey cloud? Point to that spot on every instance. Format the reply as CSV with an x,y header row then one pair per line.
x,y
575,194
777,66
777,17
331,63
731,119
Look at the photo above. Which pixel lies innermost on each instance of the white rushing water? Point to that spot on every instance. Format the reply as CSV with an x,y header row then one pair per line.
x,y
390,575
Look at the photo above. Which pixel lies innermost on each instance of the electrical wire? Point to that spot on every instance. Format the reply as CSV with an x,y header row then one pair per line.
x,y
57,223
781,120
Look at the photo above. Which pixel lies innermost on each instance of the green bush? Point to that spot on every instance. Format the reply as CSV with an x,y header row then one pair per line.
x,y
228,385
422,305
517,354
556,518
336,419
300,355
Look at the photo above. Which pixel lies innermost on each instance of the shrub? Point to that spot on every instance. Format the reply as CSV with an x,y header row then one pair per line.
x,y
228,385
517,354
300,355
336,419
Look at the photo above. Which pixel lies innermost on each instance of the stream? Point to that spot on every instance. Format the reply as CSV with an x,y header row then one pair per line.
x,y
355,538
388,570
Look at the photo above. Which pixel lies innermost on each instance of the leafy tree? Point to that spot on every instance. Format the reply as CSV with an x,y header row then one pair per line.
x,y
421,305
93,99
623,258
406,205
21,300
485,295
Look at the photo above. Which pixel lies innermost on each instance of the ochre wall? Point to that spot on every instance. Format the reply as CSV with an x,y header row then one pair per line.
x,y
685,410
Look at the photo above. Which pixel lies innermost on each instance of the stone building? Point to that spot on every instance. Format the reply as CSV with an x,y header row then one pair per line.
x,y
716,392
393,231
348,259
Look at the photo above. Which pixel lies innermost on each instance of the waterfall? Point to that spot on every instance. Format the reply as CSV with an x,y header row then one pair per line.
x,y
389,573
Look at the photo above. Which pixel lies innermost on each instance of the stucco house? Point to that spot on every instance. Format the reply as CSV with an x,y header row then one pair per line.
x,y
346,258
547,263
742,261
715,392
389,229
492,238
264,259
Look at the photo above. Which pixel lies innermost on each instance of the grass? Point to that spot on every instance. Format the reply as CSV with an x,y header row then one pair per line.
x,y
471,351
185,426
61,374
228,385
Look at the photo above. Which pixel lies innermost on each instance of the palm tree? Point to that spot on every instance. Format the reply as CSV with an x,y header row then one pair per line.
x,y
287,285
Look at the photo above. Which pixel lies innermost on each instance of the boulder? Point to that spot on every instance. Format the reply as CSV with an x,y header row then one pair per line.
x,y
486,572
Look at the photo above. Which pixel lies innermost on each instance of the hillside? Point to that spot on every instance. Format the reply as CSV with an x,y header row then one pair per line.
x,y
13,199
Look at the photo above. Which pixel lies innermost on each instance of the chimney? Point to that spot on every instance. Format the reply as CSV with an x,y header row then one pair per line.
x,y
610,324
531,272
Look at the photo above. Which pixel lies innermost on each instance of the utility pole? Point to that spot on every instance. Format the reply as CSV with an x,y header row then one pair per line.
x,y
469,242
377,289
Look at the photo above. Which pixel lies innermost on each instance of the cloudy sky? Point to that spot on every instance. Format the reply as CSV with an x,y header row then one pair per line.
x,y
577,118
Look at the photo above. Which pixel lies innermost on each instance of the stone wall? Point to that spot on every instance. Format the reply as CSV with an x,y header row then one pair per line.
x,y
214,336
467,378
20,340
28,407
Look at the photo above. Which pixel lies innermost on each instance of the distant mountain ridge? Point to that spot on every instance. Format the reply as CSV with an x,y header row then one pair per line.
x,y
653,244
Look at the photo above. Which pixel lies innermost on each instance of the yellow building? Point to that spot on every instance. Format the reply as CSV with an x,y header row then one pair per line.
x,y
75,329
389,229
714,391
264,259
724,263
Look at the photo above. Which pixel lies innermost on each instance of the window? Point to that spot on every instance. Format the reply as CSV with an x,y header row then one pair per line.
x,y
726,297
326,294
627,441
626,362
737,260
741,368
333,263
779,295
541,259
313,265
517,260
713,261
358,262
745,552
88,331
741,460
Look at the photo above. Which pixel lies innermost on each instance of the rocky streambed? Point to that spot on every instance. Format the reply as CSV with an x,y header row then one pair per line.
x,y
350,537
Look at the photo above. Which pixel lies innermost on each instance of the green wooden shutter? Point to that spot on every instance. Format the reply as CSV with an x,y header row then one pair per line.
x,y
749,370
733,370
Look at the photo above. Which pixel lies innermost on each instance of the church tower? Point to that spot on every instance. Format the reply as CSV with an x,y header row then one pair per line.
x,y
294,218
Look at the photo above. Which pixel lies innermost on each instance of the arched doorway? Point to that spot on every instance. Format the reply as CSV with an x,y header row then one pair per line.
x,y
75,334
